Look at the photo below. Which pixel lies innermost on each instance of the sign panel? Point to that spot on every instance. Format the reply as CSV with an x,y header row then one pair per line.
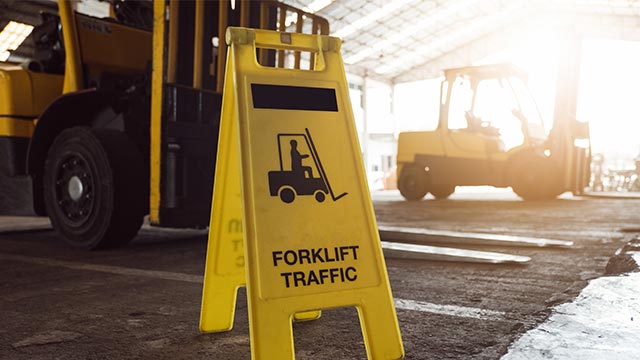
x,y
310,237
225,266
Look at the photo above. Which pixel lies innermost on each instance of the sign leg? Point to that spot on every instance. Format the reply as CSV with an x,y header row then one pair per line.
x,y
271,334
219,313
375,317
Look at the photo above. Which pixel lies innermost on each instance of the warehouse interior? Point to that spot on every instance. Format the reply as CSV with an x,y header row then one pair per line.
x,y
500,157
401,66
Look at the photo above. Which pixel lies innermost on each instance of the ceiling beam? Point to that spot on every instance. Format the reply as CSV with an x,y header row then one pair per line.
x,y
620,27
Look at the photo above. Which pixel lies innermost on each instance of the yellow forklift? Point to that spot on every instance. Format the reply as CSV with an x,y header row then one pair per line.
x,y
491,133
115,118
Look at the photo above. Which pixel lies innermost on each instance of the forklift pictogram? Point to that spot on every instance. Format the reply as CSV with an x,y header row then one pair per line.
x,y
299,179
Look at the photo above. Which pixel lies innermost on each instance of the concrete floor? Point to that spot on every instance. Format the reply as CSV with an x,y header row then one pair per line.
x,y
143,301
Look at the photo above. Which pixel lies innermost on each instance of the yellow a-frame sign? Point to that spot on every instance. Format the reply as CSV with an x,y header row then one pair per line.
x,y
225,267
290,187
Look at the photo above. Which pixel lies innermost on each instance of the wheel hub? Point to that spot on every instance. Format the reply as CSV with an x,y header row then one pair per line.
x,y
75,188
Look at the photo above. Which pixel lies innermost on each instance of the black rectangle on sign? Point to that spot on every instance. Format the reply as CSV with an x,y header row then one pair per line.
x,y
293,98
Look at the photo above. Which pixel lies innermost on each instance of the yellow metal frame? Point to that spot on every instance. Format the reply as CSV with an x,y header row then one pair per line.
x,y
16,127
156,109
222,47
112,47
73,63
198,45
165,56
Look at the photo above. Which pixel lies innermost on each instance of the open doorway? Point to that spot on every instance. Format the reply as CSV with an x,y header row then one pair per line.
x,y
608,99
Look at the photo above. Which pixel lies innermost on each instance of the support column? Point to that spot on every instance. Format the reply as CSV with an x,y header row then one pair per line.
x,y
396,128
365,128
562,136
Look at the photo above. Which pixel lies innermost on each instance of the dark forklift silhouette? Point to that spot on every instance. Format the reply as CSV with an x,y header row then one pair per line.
x,y
299,180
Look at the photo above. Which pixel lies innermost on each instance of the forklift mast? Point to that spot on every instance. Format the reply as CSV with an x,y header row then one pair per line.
x,y
189,54
569,140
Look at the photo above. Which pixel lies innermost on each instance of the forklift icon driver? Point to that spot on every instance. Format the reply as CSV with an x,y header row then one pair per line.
x,y
296,161
299,180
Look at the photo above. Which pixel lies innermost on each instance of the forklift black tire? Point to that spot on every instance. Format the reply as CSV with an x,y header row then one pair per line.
x,y
441,192
413,182
94,187
534,177
287,195
320,196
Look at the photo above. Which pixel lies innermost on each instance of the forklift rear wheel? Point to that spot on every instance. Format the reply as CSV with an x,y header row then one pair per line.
x,y
94,187
442,191
535,177
319,196
413,182
287,195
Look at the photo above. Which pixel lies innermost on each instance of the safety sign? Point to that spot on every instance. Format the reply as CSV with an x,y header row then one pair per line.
x,y
225,267
290,204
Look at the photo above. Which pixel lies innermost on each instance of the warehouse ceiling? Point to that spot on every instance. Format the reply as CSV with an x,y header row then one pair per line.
x,y
406,40
26,12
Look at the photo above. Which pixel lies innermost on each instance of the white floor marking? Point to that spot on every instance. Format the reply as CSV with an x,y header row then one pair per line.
x,y
488,238
450,310
425,252
601,323
119,270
